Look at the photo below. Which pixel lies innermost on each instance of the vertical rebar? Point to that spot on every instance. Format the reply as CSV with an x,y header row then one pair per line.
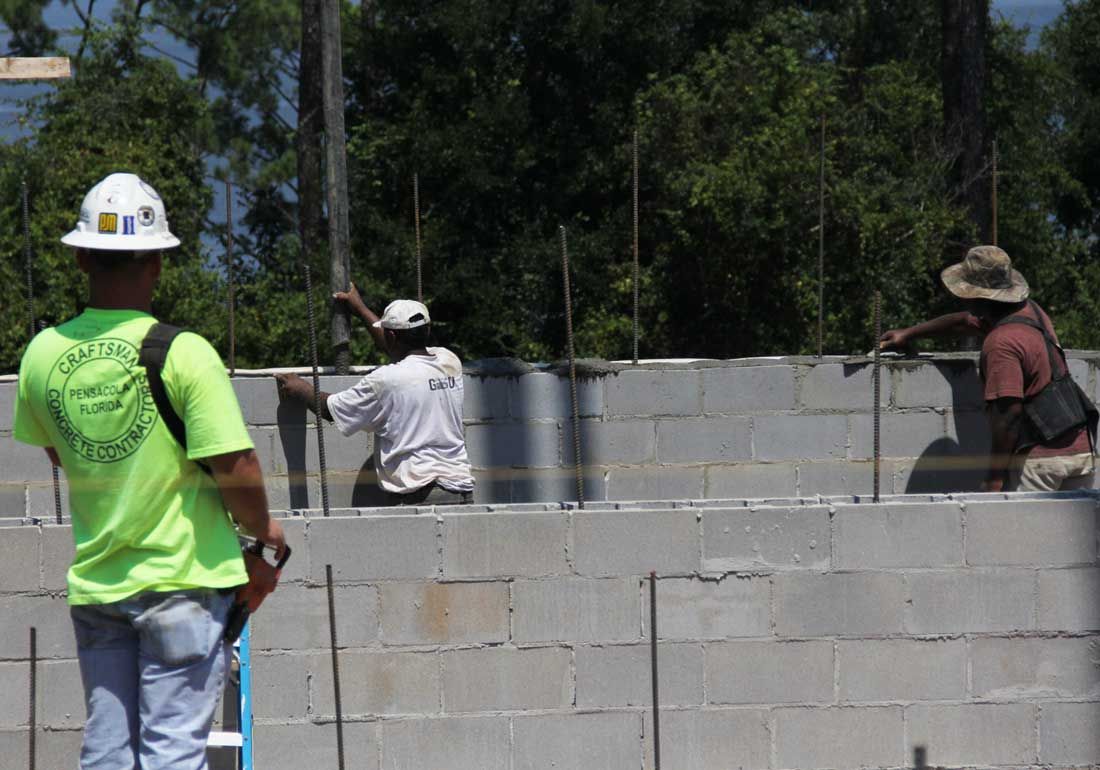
x,y
637,269
53,470
994,193
31,326
654,670
33,717
316,391
578,467
419,254
335,669
877,378
231,278
821,245
920,754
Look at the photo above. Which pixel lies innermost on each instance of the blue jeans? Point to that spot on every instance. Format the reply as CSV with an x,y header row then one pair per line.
x,y
153,668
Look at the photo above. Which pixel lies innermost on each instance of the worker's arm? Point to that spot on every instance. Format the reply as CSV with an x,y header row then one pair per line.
x,y
241,484
961,324
355,303
1005,416
294,388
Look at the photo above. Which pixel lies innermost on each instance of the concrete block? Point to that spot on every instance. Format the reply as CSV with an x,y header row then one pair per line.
x,y
901,670
13,679
22,462
1052,533
618,442
485,398
607,543
20,565
56,748
297,568
42,502
264,441
576,610
60,702
505,544
954,384
295,617
970,602
455,743
839,737
910,434
712,738
769,672
898,535
690,608
704,440
840,604
294,451
258,398
1068,599
513,445
971,433
294,746
844,387
58,552
1079,370
445,613
617,676
799,437
13,498
47,613
659,482
607,741
982,734
8,394
556,485
373,548
507,679
839,477
748,538
1068,734
541,395
676,393
373,683
748,389
280,686
751,481
1015,668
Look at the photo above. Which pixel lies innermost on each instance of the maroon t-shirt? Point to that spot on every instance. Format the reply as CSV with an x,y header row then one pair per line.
x,y
1015,364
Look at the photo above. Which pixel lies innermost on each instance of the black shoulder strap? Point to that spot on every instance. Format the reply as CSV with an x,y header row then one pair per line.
x,y
154,353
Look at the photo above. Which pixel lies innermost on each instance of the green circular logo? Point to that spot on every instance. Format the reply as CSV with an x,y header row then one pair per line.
x,y
99,399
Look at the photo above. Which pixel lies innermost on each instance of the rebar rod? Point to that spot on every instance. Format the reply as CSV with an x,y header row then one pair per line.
x,y
231,278
877,377
577,463
53,471
994,193
335,669
33,716
419,253
654,670
316,391
31,326
821,245
637,269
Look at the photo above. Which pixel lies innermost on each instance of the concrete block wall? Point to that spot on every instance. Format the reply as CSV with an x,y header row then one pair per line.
x,y
832,633
710,429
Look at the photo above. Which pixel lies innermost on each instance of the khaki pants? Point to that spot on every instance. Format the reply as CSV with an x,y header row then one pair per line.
x,y
1049,474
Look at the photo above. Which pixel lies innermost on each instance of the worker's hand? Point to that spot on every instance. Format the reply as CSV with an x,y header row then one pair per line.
x,y
895,339
995,484
291,386
352,299
263,577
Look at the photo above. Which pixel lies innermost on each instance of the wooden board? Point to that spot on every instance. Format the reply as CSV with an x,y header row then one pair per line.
x,y
35,69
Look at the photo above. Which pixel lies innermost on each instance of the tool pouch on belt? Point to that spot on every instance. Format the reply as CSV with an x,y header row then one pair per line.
x,y
1061,406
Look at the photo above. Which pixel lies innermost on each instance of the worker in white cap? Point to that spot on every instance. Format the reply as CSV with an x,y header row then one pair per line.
x,y
157,562
413,406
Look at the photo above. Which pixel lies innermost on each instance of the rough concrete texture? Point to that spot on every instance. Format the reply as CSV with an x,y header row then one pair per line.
x,y
519,637
718,429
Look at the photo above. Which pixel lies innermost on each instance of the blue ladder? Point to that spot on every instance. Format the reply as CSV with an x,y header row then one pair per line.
x,y
242,740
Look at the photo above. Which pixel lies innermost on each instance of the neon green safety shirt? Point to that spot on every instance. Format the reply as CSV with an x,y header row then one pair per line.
x,y
144,517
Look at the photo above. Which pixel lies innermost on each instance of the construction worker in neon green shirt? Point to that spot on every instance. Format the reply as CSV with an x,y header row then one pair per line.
x,y
158,562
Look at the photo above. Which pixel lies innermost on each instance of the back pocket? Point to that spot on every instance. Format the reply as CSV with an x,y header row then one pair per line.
x,y
178,630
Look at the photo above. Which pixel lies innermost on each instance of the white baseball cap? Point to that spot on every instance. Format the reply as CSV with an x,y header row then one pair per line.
x,y
122,213
403,314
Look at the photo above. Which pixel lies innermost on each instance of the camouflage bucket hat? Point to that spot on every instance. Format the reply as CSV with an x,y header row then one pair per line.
x,y
986,273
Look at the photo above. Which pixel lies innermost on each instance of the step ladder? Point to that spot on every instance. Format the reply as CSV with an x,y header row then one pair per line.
x,y
242,740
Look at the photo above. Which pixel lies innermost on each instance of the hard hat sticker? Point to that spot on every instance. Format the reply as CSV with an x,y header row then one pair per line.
x,y
128,226
152,193
146,216
108,223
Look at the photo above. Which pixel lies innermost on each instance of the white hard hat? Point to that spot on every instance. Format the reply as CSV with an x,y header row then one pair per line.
x,y
403,314
122,213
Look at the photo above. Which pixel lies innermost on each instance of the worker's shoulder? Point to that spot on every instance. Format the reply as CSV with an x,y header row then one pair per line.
x,y
448,361
191,344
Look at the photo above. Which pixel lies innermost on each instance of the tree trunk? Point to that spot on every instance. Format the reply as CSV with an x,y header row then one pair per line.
x,y
964,80
311,214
